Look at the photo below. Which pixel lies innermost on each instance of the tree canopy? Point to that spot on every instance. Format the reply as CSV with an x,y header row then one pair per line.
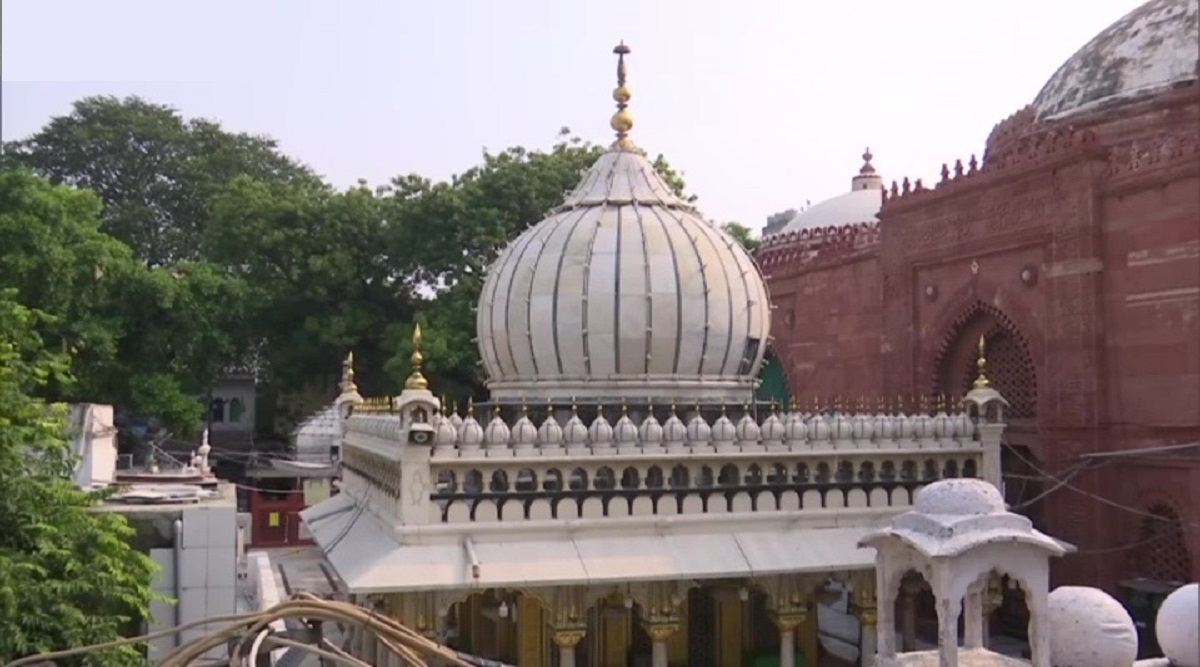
x,y
68,575
155,171
202,244
145,338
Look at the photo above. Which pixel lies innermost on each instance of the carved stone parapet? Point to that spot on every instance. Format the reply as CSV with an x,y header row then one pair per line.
x,y
568,637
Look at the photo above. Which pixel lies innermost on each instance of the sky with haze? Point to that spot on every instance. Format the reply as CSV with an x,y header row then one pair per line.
x,y
763,104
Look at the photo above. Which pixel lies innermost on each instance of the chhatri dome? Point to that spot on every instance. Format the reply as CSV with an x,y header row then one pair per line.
x,y
1151,49
625,292
860,204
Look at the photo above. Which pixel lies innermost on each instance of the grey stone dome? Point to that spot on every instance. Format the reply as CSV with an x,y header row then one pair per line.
x,y
1149,50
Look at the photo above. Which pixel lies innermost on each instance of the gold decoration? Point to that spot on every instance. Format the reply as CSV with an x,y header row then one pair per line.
x,y
868,616
622,120
348,384
982,382
471,406
661,632
789,622
416,380
774,407
568,638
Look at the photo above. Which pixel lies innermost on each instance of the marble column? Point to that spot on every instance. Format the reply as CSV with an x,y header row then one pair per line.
x,y
973,617
787,625
659,634
566,639
868,621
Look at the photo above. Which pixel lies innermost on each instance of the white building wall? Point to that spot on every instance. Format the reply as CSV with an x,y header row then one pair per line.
x,y
204,583
94,441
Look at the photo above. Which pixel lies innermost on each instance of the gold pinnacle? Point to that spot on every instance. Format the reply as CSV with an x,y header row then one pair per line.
x,y
982,382
622,120
348,384
416,380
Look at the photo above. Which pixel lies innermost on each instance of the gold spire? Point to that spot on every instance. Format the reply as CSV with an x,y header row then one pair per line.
x,y
981,382
348,373
622,120
416,380
470,406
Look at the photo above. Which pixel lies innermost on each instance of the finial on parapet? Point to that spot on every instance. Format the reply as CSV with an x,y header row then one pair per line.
x,y
471,406
774,406
624,408
416,380
867,169
622,120
981,381
347,384
574,407
524,407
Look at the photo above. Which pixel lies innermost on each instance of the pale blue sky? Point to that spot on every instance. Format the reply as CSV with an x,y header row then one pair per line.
x,y
763,104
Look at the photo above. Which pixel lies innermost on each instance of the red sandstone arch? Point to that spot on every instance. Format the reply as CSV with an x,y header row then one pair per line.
x,y
963,302
1010,365
1163,553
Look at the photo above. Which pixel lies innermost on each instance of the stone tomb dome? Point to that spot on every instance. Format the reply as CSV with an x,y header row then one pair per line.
x,y
1151,49
625,292
960,497
861,204
1177,627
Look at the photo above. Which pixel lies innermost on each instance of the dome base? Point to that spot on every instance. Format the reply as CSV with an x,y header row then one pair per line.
x,y
613,391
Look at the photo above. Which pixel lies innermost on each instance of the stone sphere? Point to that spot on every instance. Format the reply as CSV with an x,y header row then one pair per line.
x,y
1178,626
1088,628
959,497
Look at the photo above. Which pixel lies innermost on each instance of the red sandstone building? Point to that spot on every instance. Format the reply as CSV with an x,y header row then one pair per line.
x,y
1073,248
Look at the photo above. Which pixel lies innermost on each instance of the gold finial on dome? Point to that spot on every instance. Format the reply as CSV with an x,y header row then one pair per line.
x,y
348,384
416,380
982,382
470,406
622,120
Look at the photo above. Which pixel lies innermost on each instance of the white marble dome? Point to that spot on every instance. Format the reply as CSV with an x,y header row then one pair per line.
x,y
959,497
1177,626
1149,50
861,204
623,292
1089,628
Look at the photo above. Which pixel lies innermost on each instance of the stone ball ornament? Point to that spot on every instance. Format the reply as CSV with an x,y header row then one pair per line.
x,y
1089,628
1177,627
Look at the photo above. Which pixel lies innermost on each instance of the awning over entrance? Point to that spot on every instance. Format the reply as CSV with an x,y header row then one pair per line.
x,y
369,559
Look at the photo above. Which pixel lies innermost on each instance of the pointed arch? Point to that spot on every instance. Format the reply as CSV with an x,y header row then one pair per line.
x,y
1165,556
1011,366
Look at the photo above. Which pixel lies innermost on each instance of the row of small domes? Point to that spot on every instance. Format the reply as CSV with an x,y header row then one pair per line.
x,y
793,427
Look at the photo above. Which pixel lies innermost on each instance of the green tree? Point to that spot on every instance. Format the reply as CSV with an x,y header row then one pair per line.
x,y
742,234
68,575
155,171
322,278
146,338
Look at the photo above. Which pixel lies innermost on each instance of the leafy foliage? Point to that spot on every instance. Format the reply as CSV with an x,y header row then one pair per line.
x,y
155,172
68,575
144,338
742,235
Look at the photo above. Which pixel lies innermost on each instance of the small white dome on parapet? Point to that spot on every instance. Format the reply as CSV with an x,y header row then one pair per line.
x,y
959,497
1089,628
1178,626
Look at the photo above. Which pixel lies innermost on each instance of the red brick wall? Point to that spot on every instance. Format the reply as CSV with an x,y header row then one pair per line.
x,y
1107,216
826,326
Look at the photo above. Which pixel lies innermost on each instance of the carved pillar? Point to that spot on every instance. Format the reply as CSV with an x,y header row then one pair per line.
x,y
787,624
973,617
908,613
659,634
868,619
989,439
566,639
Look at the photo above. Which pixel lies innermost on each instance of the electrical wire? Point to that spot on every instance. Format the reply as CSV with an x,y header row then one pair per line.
x,y
1111,503
243,631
